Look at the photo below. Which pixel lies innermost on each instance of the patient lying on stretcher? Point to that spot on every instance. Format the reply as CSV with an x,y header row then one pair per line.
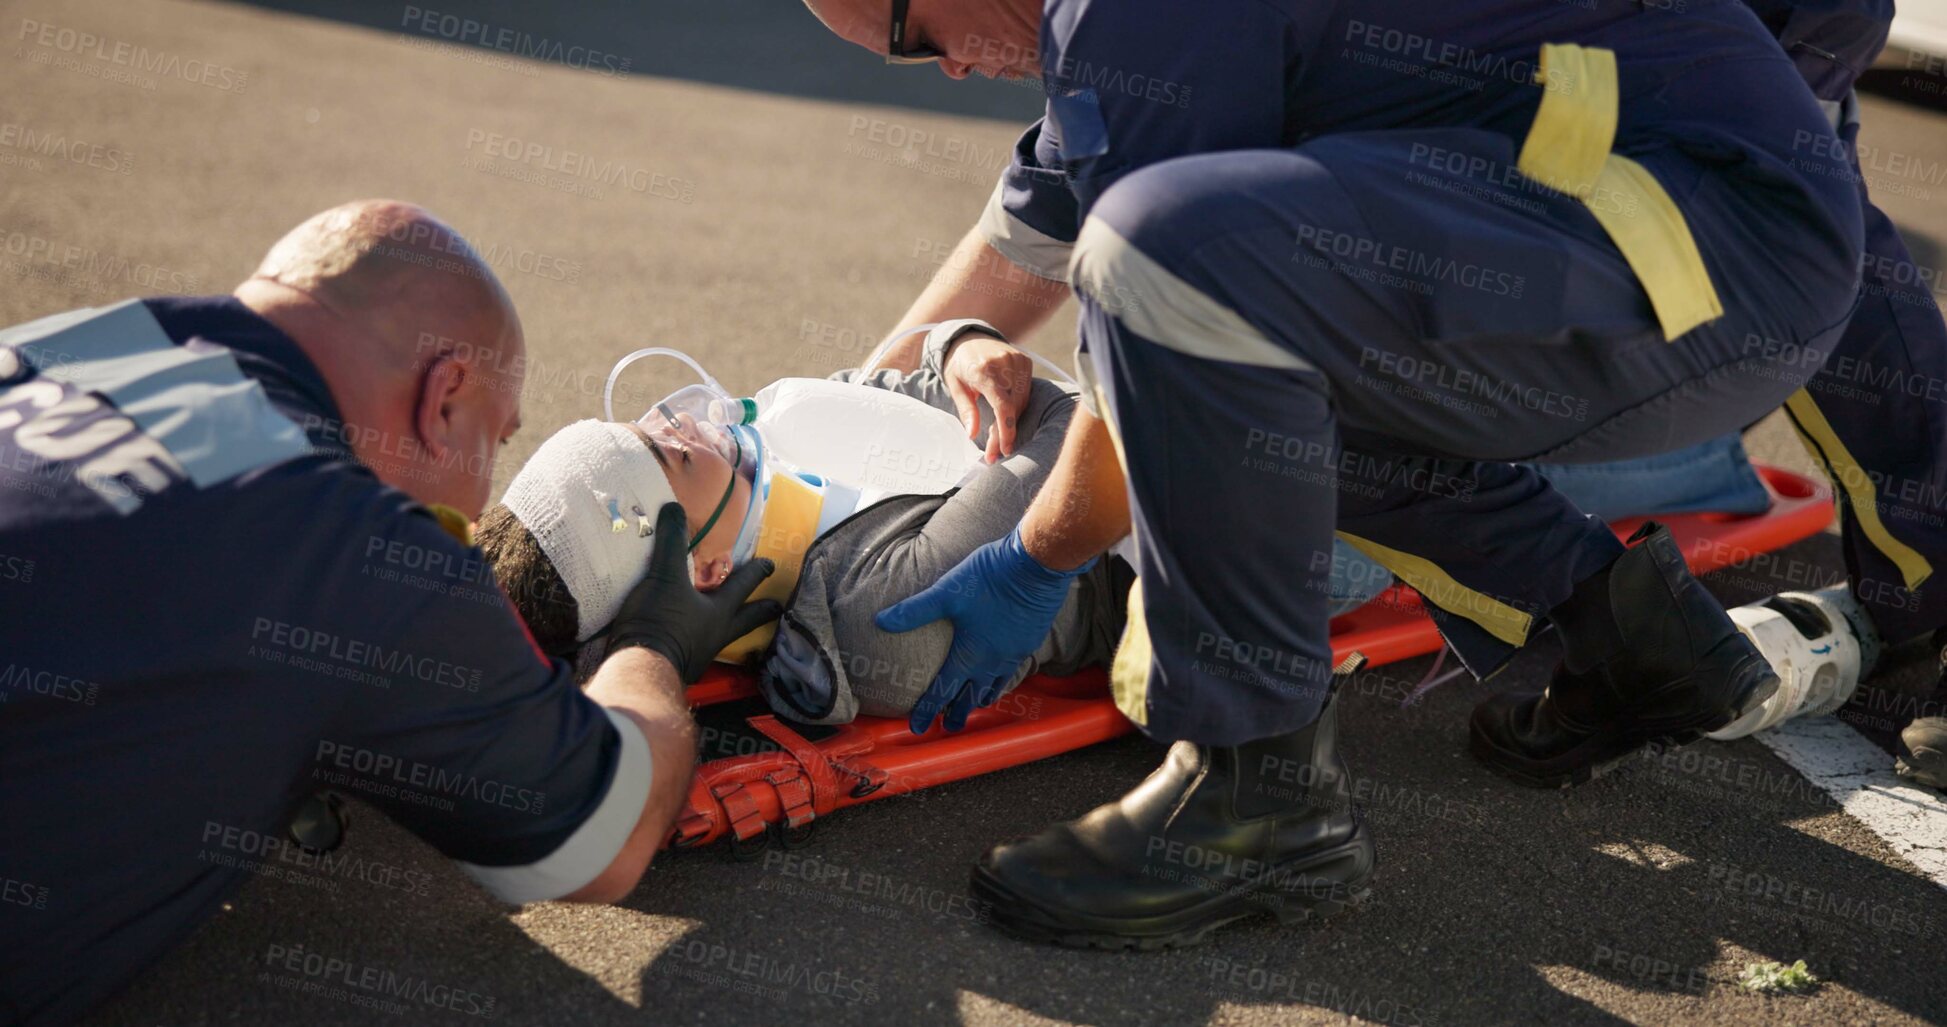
x,y
567,548
557,550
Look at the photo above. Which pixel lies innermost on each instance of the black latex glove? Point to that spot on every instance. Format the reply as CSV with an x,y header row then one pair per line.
x,y
666,614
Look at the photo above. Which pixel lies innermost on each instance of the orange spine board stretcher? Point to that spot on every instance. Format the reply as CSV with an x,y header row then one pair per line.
x,y
789,787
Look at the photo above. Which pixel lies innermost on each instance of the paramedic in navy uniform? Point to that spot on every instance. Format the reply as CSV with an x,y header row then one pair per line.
x,y
1341,267
230,526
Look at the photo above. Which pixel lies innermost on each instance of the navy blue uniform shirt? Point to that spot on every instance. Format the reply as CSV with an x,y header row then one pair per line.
x,y
210,609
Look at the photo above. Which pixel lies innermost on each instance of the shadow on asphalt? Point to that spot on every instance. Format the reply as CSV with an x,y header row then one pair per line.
x,y
1640,880
773,46
1917,79
1495,904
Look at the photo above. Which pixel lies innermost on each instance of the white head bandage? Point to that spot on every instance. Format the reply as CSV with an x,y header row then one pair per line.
x,y
589,496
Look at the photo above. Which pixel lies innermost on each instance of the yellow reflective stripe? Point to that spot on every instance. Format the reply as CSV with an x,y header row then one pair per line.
x,y
1129,674
1568,149
1647,227
453,521
786,528
1101,413
1576,124
1495,617
1824,443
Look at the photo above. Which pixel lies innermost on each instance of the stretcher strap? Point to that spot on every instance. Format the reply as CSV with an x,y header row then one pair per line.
x,y
1569,149
698,819
814,788
746,816
804,791
1862,499
794,797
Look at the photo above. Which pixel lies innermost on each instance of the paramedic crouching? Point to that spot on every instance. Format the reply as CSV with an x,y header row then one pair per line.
x,y
1235,259
225,507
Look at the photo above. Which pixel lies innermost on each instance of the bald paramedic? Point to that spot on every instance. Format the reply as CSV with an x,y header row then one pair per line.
x,y
1340,266
238,573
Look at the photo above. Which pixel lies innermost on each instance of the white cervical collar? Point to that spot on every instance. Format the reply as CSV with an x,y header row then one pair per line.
x,y
589,496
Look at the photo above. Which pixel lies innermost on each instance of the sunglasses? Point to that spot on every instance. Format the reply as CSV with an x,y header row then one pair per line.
x,y
897,52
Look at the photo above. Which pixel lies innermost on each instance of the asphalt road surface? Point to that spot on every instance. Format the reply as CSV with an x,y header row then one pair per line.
x,y
782,199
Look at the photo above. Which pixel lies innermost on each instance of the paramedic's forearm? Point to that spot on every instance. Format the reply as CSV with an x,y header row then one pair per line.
x,y
643,686
1084,507
976,281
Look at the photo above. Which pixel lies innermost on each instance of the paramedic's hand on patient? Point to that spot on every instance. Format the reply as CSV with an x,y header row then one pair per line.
x,y
1002,602
983,367
666,614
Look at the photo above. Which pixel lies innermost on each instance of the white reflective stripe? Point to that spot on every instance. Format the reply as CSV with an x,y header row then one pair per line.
x,y
1165,309
1834,112
594,845
1043,256
217,422
99,329
1842,112
212,418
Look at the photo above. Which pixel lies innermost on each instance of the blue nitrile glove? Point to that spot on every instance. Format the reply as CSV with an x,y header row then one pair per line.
x,y
1002,603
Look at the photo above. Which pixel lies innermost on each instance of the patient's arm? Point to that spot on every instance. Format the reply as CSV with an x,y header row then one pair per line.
x,y
886,673
990,505
893,555
928,383
925,382
984,367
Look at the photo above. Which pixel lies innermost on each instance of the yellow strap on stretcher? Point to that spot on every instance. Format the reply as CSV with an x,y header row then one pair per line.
x,y
788,527
1568,149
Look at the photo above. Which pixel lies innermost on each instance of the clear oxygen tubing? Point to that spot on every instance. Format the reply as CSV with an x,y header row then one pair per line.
x,y
608,389
1054,370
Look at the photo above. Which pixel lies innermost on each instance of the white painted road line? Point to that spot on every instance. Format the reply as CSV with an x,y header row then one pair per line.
x,y
1859,775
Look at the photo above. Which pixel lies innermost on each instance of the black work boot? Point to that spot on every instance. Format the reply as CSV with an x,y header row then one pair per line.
x,y
1649,655
1923,743
1923,752
1216,834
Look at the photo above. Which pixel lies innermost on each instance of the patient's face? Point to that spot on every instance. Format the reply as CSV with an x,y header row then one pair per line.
x,y
694,459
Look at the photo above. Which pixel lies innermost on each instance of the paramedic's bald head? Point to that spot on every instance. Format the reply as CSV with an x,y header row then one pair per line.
x,y
414,335
396,271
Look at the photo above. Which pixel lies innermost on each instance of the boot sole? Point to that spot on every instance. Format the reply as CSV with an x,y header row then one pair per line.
x,y
1295,897
1606,750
